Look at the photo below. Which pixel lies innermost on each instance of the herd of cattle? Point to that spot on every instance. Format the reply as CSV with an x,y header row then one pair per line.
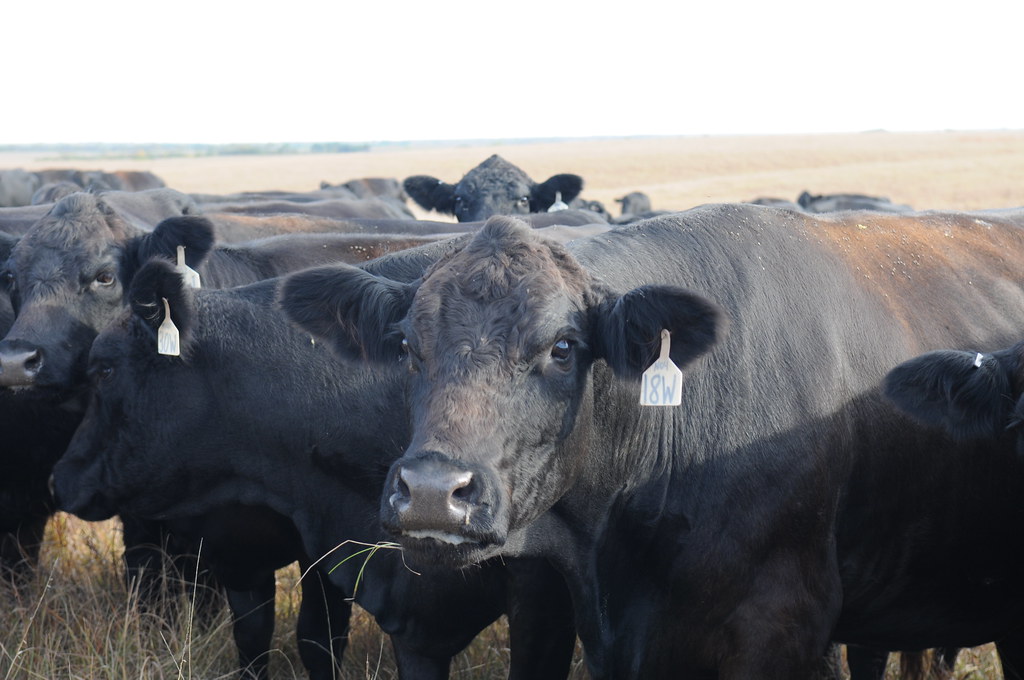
x,y
845,465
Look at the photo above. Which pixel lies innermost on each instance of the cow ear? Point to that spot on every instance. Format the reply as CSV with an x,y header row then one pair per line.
x,y
544,194
431,193
354,310
7,243
968,394
628,329
156,281
195,232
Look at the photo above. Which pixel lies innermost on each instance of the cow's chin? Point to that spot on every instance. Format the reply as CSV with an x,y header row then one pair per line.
x,y
425,549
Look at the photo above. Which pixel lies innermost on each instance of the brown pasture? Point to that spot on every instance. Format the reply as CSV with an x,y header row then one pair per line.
x,y
927,170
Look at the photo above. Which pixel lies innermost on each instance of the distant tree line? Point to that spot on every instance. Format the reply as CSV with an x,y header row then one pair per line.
x,y
147,151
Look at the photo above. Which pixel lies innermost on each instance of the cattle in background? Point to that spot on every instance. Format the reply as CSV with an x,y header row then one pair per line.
x,y
282,456
854,517
495,187
335,208
595,207
17,187
370,187
634,203
833,202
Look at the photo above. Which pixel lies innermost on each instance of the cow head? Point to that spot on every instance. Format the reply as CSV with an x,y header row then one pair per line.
x,y
131,388
67,278
499,340
495,187
968,394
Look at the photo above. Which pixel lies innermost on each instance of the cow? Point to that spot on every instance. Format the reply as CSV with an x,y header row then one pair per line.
x,y
634,203
367,187
17,187
832,202
257,402
337,208
495,187
784,504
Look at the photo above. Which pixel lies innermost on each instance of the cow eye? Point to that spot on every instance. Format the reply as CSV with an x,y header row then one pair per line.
x,y
523,202
7,280
561,351
105,279
101,372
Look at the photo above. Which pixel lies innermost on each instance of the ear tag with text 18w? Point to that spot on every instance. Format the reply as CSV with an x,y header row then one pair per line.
x,y
167,341
190,275
663,382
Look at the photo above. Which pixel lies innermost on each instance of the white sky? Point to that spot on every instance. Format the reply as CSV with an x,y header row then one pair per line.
x,y
373,70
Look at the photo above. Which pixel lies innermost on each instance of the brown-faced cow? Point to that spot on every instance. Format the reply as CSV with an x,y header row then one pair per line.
x,y
785,503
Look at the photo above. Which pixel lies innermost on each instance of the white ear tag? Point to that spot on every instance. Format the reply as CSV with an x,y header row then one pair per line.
x,y
190,275
167,335
663,381
559,204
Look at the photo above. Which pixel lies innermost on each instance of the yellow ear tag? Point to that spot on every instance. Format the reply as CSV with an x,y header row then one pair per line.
x,y
167,341
663,381
190,275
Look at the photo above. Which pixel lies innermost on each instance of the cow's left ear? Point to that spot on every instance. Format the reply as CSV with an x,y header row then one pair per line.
x,y
352,309
194,232
968,394
7,243
628,329
156,281
544,195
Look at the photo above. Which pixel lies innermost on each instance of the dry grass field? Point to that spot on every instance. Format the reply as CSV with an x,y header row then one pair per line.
x,y
76,618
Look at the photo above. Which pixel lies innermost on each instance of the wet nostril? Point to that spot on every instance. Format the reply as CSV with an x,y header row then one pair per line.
x,y
465,489
33,361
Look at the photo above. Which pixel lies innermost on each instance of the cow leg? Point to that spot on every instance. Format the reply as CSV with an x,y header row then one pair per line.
x,y
1011,655
866,663
413,665
19,549
322,629
542,633
781,630
144,562
252,613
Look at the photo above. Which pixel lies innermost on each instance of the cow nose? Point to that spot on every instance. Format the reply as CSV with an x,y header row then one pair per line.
x,y
19,365
431,494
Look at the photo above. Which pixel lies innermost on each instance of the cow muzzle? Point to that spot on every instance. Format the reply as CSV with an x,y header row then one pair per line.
x,y
434,498
20,364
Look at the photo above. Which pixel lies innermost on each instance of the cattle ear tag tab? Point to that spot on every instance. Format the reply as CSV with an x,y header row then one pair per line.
x,y
663,382
167,341
190,275
559,204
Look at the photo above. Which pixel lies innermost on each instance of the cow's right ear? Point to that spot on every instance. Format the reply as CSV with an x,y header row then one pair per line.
x,y
968,394
354,310
195,232
430,193
156,281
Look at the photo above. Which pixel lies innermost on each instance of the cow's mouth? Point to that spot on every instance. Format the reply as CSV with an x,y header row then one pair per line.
x,y
427,549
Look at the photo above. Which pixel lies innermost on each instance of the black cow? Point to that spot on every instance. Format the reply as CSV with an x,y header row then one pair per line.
x,y
784,504
832,202
366,187
495,187
634,203
257,404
